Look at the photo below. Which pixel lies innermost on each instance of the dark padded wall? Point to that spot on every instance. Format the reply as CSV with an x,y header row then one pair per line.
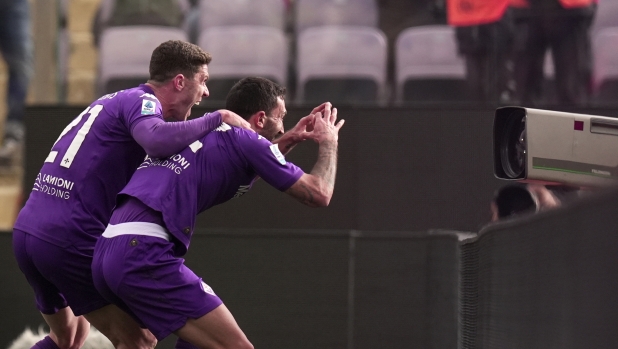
x,y
400,169
307,289
286,290
16,296
405,291
550,281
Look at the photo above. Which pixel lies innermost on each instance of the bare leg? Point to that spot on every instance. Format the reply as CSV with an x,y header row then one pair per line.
x,y
67,330
121,329
217,329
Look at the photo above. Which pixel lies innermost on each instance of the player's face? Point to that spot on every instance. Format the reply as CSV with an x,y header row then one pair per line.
x,y
273,127
195,90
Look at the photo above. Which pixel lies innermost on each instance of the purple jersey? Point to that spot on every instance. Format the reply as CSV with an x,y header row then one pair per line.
x,y
221,166
92,160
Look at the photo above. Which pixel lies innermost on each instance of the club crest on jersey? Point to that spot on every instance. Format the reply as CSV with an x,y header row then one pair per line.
x,y
148,107
207,289
275,150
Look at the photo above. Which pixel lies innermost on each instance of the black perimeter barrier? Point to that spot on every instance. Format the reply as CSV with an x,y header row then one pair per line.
x,y
371,271
547,281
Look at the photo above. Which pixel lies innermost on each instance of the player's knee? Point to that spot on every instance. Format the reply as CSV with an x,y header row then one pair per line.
x,y
72,337
145,340
149,341
70,342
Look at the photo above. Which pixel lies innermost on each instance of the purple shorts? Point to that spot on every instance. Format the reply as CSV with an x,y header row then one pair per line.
x,y
60,277
141,275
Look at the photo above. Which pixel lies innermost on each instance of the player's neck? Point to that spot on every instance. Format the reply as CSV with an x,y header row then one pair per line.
x,y
165,96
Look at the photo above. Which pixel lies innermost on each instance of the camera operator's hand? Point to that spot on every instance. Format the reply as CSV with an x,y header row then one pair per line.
x,y
544,197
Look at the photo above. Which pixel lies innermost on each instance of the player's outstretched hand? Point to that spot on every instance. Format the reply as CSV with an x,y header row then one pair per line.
x,y
319,109
325,125
301,131
233,119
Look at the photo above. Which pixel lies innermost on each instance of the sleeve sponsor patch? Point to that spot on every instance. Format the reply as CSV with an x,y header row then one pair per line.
x,y
148,107
275,150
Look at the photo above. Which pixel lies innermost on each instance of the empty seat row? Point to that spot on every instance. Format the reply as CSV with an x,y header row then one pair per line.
x,y
351,59
344,63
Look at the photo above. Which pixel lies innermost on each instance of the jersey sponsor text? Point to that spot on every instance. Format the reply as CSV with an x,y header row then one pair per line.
x,y
53,185
176,163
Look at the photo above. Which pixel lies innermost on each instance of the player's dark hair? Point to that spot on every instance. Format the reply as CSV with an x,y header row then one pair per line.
x,y
514,199
254,94
176,57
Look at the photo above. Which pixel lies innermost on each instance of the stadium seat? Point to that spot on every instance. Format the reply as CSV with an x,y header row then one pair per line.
x,y
605,72
311,13
256,51
124,54
606,15
427,66
344,64
106,8
215,13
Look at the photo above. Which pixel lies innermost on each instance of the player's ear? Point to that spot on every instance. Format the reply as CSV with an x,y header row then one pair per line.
x,y
179,82
258,119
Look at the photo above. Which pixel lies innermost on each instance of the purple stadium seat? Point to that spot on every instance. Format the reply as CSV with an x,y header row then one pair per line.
x,y
605,72
214,13
311,13
344,53
241,51
124,54
425,57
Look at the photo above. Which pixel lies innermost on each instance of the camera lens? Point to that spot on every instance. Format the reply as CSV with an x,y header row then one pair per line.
x,y
513,147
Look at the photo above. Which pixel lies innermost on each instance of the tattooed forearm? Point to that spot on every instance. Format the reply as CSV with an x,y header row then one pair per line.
x,y
303,194
326,165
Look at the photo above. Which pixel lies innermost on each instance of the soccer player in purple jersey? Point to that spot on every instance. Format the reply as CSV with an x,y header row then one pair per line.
x,y
137,262
75,190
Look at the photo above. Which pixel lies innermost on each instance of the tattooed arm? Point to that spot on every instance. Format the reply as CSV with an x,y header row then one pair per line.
x,y
315,189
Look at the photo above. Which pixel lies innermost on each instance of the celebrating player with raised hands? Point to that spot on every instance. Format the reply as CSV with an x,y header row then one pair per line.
x,y
75,190
152,224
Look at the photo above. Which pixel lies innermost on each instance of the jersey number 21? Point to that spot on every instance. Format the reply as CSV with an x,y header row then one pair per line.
x,y
68,157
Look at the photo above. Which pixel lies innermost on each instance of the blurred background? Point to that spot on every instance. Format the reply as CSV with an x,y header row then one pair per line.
x,y
405,255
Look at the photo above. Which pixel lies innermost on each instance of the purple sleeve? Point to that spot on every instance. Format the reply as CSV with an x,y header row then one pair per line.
x,y
162,139
268,162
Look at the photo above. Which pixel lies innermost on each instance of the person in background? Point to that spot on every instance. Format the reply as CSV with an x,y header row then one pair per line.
x,y
484,34
17,49
562,26
522,199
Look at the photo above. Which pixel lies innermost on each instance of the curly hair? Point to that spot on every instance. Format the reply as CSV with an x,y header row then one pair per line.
x,y
176,57
253,94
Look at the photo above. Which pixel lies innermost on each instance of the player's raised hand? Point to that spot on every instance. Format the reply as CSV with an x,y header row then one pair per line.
x,y
320,108
325,127
303,128
233,119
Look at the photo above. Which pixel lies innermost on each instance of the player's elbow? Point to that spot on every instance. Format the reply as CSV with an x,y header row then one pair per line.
x,y
312,191
322,198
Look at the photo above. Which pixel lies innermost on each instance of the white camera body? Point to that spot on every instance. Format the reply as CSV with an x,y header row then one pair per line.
x,y
534,145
